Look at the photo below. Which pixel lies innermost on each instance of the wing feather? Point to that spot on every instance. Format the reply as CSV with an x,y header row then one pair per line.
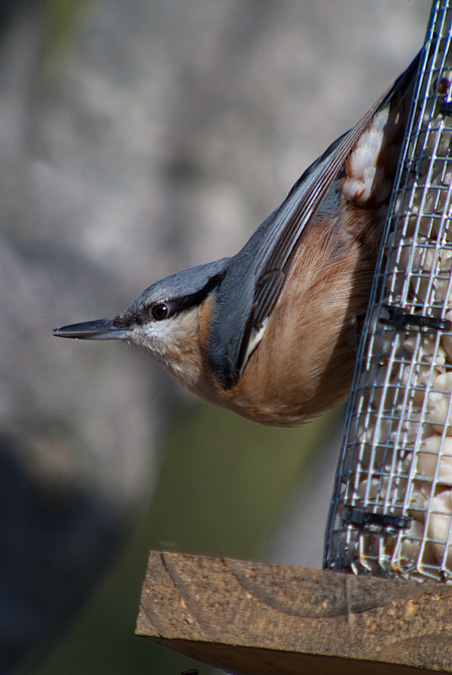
x,y
258,272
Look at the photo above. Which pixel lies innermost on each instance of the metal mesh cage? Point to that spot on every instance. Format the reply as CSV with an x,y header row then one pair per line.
x,y
392,505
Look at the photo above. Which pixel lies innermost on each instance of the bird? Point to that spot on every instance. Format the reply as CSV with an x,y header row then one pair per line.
x,y
271,333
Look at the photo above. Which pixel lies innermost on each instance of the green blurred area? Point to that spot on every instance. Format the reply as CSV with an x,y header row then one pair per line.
x,y
222,485
60,20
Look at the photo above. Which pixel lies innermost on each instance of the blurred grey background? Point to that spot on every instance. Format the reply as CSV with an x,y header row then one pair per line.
x,y
138,138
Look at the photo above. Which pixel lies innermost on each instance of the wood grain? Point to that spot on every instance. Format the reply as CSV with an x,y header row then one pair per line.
x,y
251,618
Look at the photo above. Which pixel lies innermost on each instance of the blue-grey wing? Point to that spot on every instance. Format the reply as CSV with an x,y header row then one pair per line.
x,y
257,273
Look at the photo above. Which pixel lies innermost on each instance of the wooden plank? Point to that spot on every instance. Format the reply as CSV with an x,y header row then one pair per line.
x,y
251,618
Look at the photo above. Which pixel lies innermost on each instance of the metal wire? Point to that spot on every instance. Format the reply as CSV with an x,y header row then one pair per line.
x,y
392,502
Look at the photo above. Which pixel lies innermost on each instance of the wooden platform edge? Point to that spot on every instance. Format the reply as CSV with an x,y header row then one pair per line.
x,y
251,618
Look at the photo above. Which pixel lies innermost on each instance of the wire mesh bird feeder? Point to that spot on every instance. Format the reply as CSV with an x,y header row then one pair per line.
x,y
391,512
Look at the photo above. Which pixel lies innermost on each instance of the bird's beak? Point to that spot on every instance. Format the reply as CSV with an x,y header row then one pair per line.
x,y
102,329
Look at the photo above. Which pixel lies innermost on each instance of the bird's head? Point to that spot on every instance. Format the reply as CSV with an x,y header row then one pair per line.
x,y
169,320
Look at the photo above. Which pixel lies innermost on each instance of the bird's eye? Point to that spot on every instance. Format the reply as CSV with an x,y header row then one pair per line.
x,y
160,311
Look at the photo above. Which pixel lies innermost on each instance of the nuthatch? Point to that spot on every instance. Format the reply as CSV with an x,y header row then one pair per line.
x,y
272,332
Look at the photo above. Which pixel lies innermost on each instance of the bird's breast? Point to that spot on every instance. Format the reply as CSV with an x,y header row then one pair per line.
x,y
303,364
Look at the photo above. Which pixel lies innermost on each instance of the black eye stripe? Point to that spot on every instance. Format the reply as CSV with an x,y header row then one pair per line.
x,y
194,299
164,309
140,314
